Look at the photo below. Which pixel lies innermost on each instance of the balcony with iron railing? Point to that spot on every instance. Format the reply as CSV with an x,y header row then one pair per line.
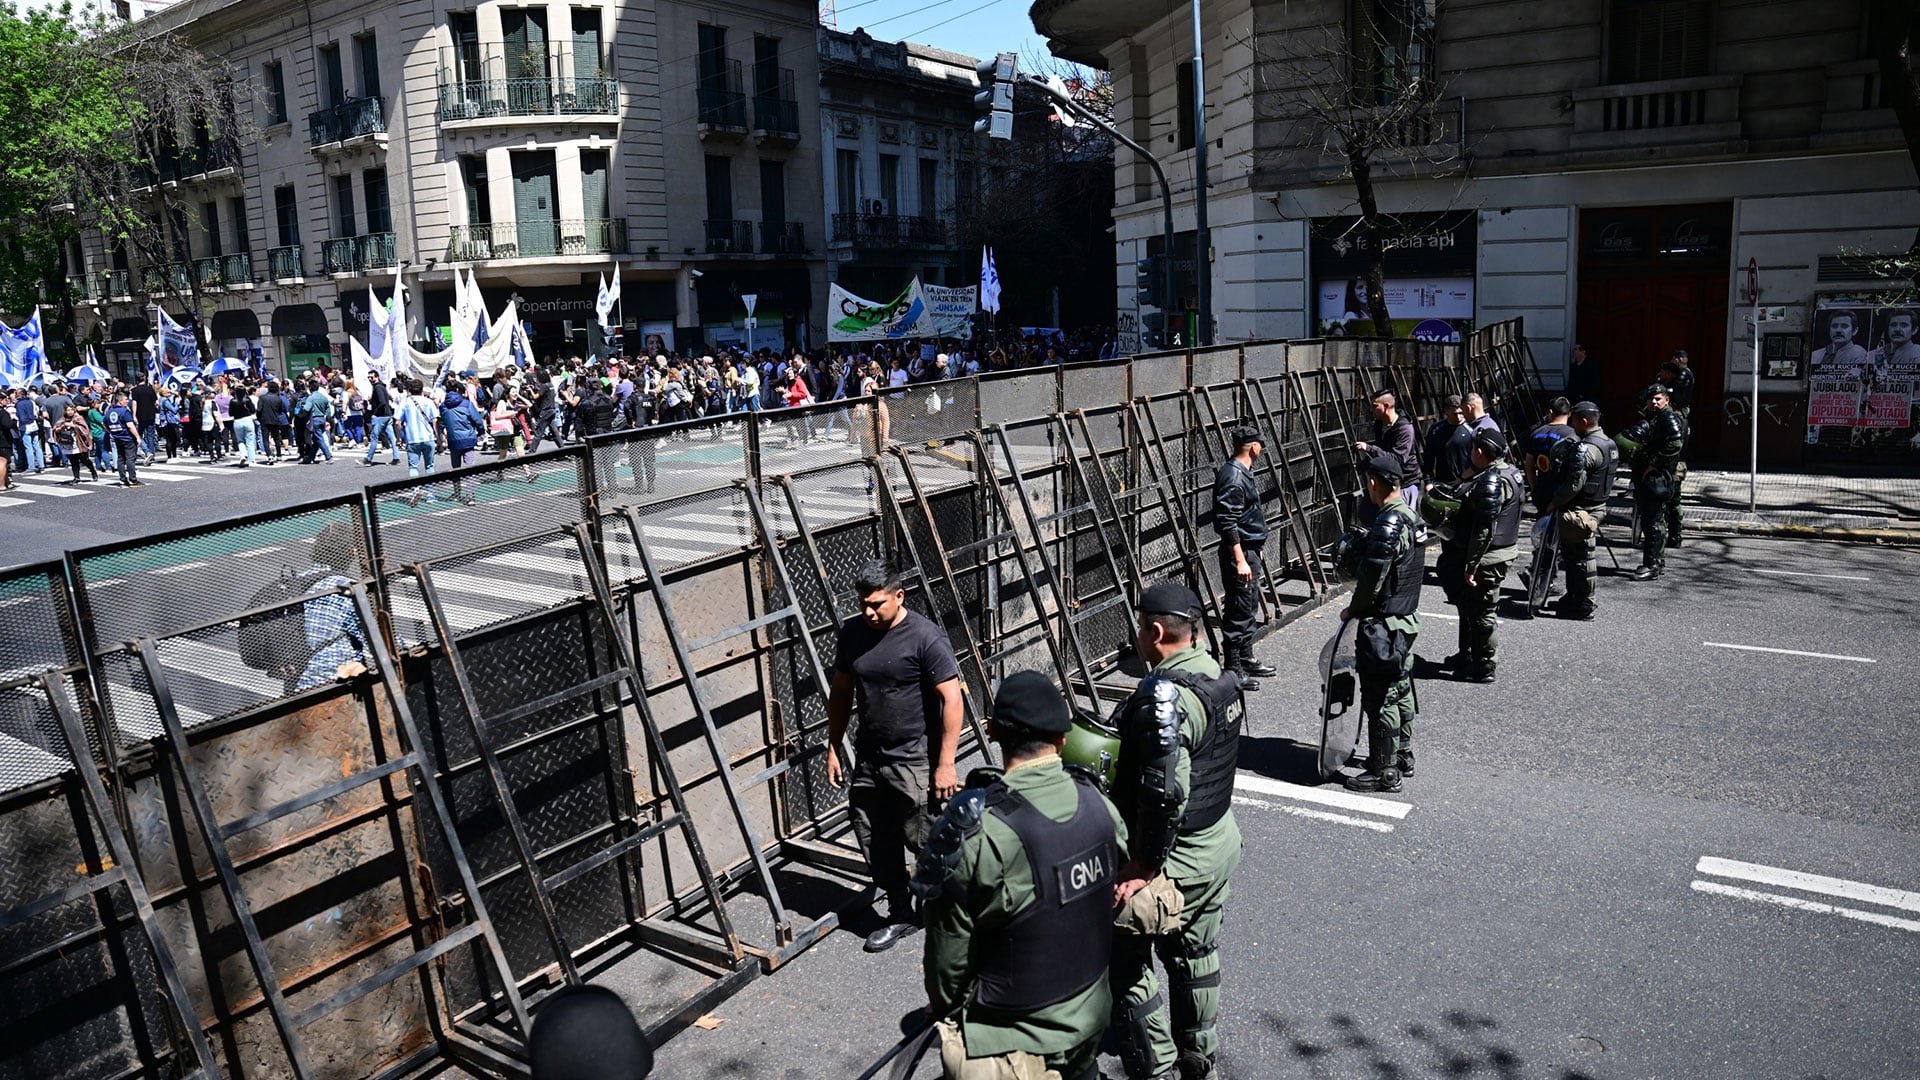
x,y
537,239
783,238
889,231
82,287
722,104
348,121
224,271
218,157
776,110
1701,114
726,236
286,263
118,284
171,278
493,99
354,254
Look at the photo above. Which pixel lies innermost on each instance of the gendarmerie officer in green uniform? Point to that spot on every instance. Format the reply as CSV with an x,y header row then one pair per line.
x,y
1173,783
1387,566
1486,541
1575,486
1658,439
1017,887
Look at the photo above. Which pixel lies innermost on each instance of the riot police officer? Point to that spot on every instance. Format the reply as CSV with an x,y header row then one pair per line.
x,y
1241,520
1173,783
1657,440
1575,486
1017,886
1486,540
1388,566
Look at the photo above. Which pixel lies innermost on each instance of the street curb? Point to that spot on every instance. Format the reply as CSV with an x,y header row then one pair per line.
x,y
1887,537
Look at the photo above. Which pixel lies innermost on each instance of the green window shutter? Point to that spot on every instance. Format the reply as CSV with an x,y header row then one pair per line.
x,y
593,184
535,207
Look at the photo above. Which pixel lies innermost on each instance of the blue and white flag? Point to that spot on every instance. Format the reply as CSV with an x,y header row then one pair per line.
x,y
608,301
23,352
177,343
153,365
989,281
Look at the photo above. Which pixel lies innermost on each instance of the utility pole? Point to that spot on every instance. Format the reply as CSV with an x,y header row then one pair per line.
x,y
1202,330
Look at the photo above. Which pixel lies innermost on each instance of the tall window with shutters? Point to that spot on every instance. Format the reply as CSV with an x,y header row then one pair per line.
x,y
1651,40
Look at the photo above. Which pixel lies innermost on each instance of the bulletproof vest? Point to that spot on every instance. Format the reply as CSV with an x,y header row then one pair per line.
x,y
1599,477
1211,764
1061,942
1409,566
1506,523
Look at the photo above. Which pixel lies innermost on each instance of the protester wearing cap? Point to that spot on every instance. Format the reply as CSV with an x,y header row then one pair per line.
x,y
1241,520
1475,560
1393,432
1573,492
1657,440
1179,746
1385,608
1016,884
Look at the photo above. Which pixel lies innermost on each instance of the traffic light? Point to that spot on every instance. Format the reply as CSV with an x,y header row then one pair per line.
x,y
994,101
1153,330
1149,275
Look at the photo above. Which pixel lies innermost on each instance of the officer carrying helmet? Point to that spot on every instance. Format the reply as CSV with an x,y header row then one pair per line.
x,y
1017,885
1179,748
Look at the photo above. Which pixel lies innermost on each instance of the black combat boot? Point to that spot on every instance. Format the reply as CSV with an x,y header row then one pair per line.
x,y
1480,673
1387,779
1194,1065
1239,658
1458,661
901,921
1406,763
1253,668
1649,571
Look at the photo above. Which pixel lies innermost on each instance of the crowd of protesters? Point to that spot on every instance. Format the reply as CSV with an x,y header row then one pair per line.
x,y
238,420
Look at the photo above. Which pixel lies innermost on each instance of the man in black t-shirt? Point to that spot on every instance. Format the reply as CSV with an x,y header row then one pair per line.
x,y
901,670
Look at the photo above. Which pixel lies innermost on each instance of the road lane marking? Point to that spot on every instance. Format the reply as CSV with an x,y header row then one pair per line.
x,y
1805,905
1817,883
1800,573
1317,815
1335,797
177,567
14,502
1790,652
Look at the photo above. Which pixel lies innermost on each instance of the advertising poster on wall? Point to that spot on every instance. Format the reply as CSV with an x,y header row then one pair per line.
x,y
1429,280
656,338
1864,371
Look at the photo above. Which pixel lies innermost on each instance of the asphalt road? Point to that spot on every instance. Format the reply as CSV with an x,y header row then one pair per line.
x,y
1600,869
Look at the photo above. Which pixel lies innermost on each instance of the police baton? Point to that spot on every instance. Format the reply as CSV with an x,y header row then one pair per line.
x,y
904,1055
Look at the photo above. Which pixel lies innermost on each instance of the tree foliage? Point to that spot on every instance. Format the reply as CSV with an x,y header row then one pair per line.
x,y
96,115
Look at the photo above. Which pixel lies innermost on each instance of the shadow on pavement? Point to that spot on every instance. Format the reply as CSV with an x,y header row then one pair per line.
x,y
1285,760
1460,1044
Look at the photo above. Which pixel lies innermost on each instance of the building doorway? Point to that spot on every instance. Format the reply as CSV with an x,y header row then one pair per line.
x,y
1652,280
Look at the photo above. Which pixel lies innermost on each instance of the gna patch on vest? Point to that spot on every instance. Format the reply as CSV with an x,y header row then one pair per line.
x,y
1078,875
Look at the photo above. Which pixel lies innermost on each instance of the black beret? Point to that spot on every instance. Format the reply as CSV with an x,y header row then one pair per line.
x,y
1170,598
1586,408
1490,442
1029,700
1379,463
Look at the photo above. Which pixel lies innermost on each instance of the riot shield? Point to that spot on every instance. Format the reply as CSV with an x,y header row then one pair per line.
x,y
1340,721
1545,564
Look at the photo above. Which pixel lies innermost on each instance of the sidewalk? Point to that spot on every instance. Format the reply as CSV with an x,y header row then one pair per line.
x,y
1872,510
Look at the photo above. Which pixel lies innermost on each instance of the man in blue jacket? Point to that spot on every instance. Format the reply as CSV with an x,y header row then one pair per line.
x,y
463,424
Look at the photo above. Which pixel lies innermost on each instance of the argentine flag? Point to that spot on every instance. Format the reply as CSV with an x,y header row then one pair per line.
x,y
989,281
23,352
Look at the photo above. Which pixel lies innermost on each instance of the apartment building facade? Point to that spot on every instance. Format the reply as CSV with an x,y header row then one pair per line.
x,y
1608,169
896,119
539,145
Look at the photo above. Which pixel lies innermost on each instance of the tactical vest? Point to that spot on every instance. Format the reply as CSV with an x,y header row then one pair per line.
x,y
1506,526
1403,577
1599,478
1211,764
1062,941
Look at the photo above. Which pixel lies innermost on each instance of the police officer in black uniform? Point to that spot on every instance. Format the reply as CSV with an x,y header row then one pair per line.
x,y
1661,437
1575,486
1241,520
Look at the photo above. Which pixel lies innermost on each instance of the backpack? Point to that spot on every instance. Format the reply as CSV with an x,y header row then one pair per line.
x,y
276,641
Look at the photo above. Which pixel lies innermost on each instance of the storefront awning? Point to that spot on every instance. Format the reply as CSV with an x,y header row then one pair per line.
x,y
237,323
293,320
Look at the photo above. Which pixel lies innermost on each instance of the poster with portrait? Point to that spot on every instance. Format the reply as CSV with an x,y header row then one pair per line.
x,y
1864,370
656,338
